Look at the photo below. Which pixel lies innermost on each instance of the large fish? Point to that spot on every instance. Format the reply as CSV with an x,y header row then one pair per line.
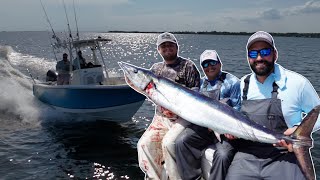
x,y
219,117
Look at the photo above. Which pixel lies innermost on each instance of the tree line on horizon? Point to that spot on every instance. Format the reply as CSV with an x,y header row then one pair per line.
x,y
291,34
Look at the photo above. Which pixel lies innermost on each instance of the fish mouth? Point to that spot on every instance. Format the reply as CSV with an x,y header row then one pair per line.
x,y
123,67
135,83
127,68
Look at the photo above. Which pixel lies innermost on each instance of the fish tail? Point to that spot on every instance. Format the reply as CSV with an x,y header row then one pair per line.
x,y
304,142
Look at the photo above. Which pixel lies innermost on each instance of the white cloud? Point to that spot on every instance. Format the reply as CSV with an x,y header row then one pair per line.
x,y
271,14
277,18
308,7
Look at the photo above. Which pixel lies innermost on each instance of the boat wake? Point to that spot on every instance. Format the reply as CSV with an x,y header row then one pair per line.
x,y
17,100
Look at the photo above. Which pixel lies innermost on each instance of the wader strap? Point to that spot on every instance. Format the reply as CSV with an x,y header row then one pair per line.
x,y
275,90
246,87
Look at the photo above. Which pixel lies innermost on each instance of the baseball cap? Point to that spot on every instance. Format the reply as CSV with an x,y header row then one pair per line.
x,y
166,37
209,55
261,36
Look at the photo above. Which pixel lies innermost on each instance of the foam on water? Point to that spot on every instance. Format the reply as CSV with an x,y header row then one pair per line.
x,y
16,88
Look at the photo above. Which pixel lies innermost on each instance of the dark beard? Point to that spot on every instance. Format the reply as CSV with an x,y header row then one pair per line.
x,y
263,72
170,58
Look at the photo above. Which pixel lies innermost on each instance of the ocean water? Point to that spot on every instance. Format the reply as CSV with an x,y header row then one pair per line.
x,y
38,142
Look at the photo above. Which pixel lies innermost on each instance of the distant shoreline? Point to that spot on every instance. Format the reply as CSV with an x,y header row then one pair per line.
x,y
307,35
289,34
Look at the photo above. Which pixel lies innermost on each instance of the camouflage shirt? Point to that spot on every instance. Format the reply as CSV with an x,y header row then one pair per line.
x,y
183,72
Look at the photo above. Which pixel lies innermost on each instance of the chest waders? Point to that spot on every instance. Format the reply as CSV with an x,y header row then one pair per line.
x,y
266,112
262,160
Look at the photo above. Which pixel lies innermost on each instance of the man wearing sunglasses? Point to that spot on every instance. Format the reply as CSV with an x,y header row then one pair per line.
x,y
273,97
190,144
156,146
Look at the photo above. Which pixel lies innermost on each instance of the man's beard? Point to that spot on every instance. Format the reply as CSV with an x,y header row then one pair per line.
x,y
170,58
265,71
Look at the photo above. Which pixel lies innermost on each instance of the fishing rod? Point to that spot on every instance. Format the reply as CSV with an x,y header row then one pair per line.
x,y
48,21
52,45
70,34
75,18
68,24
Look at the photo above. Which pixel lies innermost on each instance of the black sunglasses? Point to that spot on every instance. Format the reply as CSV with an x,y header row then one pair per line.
x,y
205,64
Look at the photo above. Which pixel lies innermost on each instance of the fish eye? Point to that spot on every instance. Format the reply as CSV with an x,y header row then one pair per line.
x,y
135,71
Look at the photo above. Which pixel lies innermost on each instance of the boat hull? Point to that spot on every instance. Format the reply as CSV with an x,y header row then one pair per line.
x,y
110,102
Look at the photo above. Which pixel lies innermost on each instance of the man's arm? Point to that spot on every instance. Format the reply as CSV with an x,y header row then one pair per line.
x,y
192,76
235,96
310,99
235,100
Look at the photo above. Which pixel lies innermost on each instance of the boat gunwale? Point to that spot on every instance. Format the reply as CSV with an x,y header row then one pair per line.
x,y
90,86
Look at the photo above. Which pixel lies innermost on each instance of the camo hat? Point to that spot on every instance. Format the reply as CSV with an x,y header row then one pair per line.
x,y
209,55
261,36
166,37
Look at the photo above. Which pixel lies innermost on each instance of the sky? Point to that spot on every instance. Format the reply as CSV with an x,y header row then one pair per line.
x,y
282,16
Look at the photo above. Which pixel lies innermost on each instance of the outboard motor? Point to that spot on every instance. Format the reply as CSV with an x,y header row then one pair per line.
x,y
51,76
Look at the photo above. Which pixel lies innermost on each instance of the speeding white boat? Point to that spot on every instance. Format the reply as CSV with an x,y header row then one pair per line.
x,y
91,92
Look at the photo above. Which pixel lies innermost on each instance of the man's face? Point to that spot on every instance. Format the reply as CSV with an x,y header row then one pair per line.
x,y
211,71
65,57
262,65
168,51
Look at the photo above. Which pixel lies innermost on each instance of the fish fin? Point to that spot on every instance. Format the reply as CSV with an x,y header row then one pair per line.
x,y
218,136
305,161
304,143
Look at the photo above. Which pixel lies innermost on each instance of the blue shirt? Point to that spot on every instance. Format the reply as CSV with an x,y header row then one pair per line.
x,y
295,91
230,88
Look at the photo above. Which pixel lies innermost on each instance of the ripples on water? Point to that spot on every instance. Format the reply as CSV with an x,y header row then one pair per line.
x,y
37,142
61,150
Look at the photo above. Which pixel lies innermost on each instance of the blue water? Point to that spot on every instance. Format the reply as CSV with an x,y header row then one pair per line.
x,y
38,142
